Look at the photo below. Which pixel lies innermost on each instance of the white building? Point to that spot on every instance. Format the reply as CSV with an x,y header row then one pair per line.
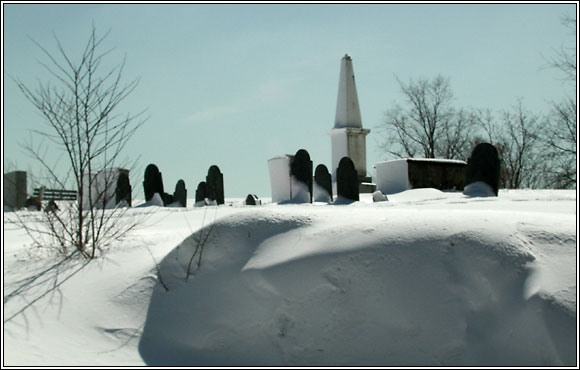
x,y
348,137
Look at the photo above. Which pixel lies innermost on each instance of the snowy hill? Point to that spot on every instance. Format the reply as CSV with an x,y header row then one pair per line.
x,y
427,278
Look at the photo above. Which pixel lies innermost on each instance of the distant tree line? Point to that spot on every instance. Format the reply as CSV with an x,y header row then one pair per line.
x,y
536,151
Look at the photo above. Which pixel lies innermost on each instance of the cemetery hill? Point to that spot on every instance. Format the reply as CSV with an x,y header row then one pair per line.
x,y
428,263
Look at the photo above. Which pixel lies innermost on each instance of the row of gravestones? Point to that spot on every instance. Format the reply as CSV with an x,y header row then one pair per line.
x,y
208,192
153,184
211,191
482,166
347,181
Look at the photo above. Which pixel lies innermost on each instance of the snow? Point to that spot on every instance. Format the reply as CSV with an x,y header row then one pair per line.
x,y
427,278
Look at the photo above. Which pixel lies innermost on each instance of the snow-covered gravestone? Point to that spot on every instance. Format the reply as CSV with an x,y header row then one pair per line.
x,y
123,189
201,194
180,193
301,177
347,180
322,184
153,182
253,200
483,169
215,185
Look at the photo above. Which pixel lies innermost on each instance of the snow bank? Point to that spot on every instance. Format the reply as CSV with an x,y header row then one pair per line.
x,y
427,278
313,286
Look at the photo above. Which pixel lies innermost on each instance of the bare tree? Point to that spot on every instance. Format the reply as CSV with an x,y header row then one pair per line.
x,y
515,134
80,109
428,125
559,134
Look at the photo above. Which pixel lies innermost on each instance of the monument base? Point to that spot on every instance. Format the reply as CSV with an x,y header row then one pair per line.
x,y
366,185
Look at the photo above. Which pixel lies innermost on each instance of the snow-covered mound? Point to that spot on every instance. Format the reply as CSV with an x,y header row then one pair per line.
x,y
370,286
425,278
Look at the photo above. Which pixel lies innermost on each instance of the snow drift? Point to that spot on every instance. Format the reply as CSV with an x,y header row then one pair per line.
x,y
309,285
425,278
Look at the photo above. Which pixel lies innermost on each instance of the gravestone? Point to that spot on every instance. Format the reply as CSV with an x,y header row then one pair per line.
x,y
301,172
167,199
153,182
378,196
15,189
51,207
252,200
180,193
215,185
123,189
484,166
33,204
347,180
201,194
323,180
280,182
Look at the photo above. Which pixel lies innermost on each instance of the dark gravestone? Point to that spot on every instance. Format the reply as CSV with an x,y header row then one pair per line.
x,y
301,170
153,182
167,199
215,185
123,189
323,179
252,200
51,207
201,193
33,203
180,194
15,193
484,165
347,179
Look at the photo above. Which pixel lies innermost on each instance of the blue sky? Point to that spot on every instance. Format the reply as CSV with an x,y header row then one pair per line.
x,y
235,85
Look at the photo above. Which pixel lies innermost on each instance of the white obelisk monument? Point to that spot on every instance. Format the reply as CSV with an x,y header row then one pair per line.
x,y
348,136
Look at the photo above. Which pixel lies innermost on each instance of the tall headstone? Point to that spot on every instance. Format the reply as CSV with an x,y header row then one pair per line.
x,y
180,193
348,137
215,185
15,189
280,182
323,184
347,179
123,189
301,175
153,182
484,166
201,194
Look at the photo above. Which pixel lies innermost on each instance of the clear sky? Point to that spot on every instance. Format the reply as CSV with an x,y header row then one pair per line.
x,y
235,85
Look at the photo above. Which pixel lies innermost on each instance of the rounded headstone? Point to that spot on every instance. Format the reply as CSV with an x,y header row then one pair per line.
x,y
123,189
180,193
324,180
215,185
153,182
301,169
347,184
252,200
484,165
